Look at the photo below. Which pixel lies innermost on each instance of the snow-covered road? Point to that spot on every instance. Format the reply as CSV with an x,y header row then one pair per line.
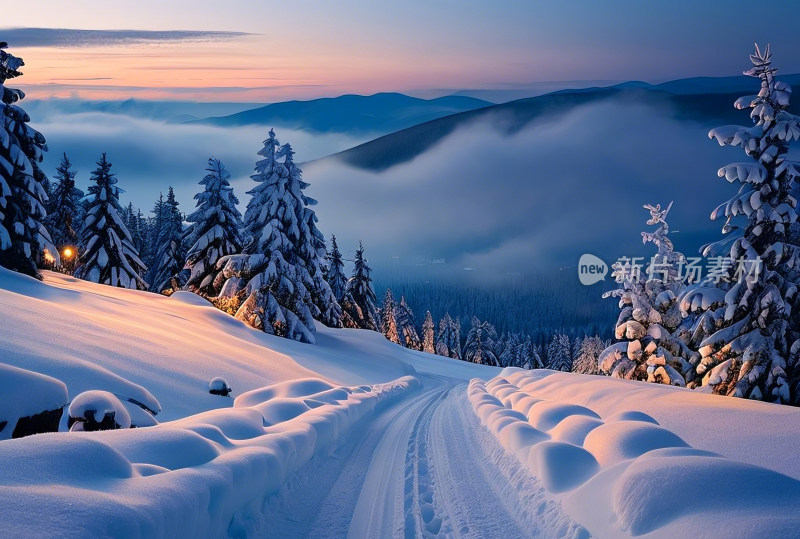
x,y
424,467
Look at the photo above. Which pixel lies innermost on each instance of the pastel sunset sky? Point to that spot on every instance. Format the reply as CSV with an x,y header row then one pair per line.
x,y
240,50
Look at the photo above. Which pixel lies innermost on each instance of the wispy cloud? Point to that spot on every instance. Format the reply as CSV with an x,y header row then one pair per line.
x,y
70,37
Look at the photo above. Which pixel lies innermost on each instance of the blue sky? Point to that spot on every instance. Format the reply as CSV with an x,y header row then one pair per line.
x,y
305,48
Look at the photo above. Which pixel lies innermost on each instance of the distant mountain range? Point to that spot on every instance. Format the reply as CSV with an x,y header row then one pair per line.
x,y
379,113
702,99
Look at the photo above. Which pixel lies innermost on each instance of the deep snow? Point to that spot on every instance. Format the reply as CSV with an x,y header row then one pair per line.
x,y
355,436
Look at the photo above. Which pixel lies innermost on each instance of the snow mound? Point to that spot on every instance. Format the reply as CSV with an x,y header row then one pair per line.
x,y
24,394
194,477
620,472
98,410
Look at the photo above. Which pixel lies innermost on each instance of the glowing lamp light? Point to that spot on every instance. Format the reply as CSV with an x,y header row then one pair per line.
x,y
67,252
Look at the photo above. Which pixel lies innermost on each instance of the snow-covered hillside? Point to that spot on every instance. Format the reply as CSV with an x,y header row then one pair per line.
x,y
355,436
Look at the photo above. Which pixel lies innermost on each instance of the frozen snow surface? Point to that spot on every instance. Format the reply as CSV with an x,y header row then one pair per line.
x,y
619,472
355,436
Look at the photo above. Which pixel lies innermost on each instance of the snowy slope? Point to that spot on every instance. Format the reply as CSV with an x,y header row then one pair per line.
x,y
164,351
692,465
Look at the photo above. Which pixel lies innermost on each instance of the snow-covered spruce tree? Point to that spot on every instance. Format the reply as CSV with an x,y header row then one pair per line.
x,y
650,315
559,353
362,308
311,247
135,227
480,345
530,356
448,342
64,212
214,230
335,274
280,272
428,336
407,326
23,235
747,325
587,355
170,256
389,326
511,355
108,256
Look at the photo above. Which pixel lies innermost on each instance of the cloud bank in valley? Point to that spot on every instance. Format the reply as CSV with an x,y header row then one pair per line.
x,y
480,198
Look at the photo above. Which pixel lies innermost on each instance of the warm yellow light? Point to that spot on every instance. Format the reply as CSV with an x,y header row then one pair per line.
x,y
48,257
67,253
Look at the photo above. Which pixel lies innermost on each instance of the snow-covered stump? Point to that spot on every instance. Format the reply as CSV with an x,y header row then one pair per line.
x,y
97,410
30,403
219,386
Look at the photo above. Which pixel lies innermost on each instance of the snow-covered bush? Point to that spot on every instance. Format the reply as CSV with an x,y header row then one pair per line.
x,y
97,410
219,386
747,327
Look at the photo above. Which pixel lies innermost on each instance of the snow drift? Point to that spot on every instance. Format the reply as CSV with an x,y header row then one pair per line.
x,y
204,475
619,472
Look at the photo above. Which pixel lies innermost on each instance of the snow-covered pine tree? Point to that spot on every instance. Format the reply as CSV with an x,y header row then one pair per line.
x,y
480,345
170,256
280,271
362,308
214,229
23,235
151,230
134,224
559,353
64,211
748,325
428,336
407,326
109,257
311,248
335,274
588,353
530,356
512,352
455,338
650,315
389,326
444,337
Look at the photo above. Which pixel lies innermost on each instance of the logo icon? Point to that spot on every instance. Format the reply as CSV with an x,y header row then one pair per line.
x,y
591,269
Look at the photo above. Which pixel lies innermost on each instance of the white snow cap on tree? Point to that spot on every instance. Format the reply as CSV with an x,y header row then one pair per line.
x,y
109,257
23,235
747,328
214,230
281,270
